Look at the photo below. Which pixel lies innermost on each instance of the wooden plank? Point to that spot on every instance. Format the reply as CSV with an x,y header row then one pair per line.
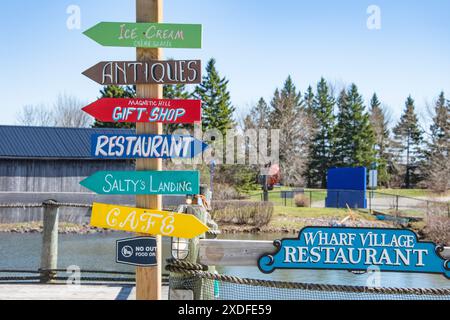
x,y
150,72
124,146
65,292
148,280
233,252
146,35
144,182
242,252
147,221
145,110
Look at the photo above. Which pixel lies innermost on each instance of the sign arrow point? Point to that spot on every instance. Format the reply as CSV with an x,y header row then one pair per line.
x,y
85,183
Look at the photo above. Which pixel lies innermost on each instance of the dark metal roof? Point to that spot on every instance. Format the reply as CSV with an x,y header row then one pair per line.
x,y
49,142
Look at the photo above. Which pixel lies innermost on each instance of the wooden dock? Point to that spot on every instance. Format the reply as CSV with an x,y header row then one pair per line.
x,y
65,292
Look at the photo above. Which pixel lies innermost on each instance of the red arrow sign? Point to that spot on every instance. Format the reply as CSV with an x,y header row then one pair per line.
x,y
145,110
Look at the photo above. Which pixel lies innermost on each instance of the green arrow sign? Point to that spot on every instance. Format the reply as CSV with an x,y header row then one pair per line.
x,y
146,35
144,182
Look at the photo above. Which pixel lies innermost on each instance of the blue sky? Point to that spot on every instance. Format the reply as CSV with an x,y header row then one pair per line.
x,y
256,43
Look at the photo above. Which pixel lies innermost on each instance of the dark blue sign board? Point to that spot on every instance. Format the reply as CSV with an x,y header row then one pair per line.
x,y
346,187
140,251
129,146
356,249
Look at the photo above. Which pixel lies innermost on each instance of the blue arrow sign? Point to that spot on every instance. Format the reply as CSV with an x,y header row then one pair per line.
x,y
394,250
140,251
128,146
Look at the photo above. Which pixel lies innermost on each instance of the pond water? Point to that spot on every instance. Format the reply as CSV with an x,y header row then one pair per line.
x,y
97,251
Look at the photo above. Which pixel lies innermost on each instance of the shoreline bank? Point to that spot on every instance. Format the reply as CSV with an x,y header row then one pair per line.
x,y
288,229
71,228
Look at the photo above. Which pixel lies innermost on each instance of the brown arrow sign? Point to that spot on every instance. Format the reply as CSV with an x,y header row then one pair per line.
x,y
151,72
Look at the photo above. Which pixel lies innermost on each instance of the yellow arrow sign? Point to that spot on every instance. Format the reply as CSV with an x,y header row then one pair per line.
x,y
146,221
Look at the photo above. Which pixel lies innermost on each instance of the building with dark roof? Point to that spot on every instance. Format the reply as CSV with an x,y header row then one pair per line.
x,y
48,142
43,163
44,159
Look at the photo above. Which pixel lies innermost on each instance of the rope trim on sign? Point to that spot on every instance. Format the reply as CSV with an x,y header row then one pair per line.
x,y
198,270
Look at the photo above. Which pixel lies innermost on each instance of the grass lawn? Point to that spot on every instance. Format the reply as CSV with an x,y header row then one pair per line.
x,y
413,193
320,195
297,218
318,212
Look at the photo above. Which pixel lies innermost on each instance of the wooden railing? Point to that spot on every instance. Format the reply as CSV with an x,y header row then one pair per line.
x,y
241,252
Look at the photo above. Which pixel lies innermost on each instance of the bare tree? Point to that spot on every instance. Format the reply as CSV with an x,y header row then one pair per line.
x,y
288,115
35,115
437,167
65,112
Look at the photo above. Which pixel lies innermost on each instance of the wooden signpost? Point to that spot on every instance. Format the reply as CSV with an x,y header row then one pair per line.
x,y
145,110
149,146
146,72
144,182
148,280
146,221
146,35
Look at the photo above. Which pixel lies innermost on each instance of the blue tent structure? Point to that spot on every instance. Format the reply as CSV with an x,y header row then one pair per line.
x,y
346,187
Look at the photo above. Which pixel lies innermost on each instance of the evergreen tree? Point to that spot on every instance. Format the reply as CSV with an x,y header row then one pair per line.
x,y
408,143
309,101
176,91
217,108
342,143
112,91
355,137
438,155
323,121
440,129
289,117
380,123
258,118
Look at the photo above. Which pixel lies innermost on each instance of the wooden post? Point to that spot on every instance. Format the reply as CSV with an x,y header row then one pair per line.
x,y
310,199
265,189
49,251
148,280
